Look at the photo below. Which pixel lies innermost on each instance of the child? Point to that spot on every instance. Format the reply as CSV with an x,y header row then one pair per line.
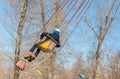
x,y
55,35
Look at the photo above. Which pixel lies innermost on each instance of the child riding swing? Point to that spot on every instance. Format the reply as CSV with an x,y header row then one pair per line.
x,y
52,40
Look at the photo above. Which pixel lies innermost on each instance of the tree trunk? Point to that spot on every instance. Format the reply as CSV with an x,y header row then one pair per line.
x,y
43,15
18,40
49,64
96,71
53,57
52,65
44,29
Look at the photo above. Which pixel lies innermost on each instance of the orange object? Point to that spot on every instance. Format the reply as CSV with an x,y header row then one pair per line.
x,y
28,55
21,64
47,45
32,58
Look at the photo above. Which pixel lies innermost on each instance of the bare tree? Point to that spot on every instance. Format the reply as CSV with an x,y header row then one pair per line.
x,y
18,40
2,60
115,66
104,25
53,56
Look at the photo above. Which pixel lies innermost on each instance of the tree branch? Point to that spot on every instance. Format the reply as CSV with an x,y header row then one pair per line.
x,y
91,27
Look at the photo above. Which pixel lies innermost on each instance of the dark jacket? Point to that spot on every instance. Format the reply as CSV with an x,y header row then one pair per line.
x,y
54,36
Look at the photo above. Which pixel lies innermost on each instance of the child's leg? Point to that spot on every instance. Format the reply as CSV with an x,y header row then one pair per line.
x,y
37,52
33,48
33,57
28,55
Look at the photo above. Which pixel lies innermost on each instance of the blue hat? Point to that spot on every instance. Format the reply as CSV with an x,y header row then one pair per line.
x,y
82,76
56,31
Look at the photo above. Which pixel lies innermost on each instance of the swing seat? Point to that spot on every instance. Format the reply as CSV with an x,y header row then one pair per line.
x,y
39,72
21,64
47,45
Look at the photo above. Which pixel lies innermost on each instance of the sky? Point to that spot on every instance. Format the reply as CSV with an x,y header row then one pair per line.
x,y
79,41
6,23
